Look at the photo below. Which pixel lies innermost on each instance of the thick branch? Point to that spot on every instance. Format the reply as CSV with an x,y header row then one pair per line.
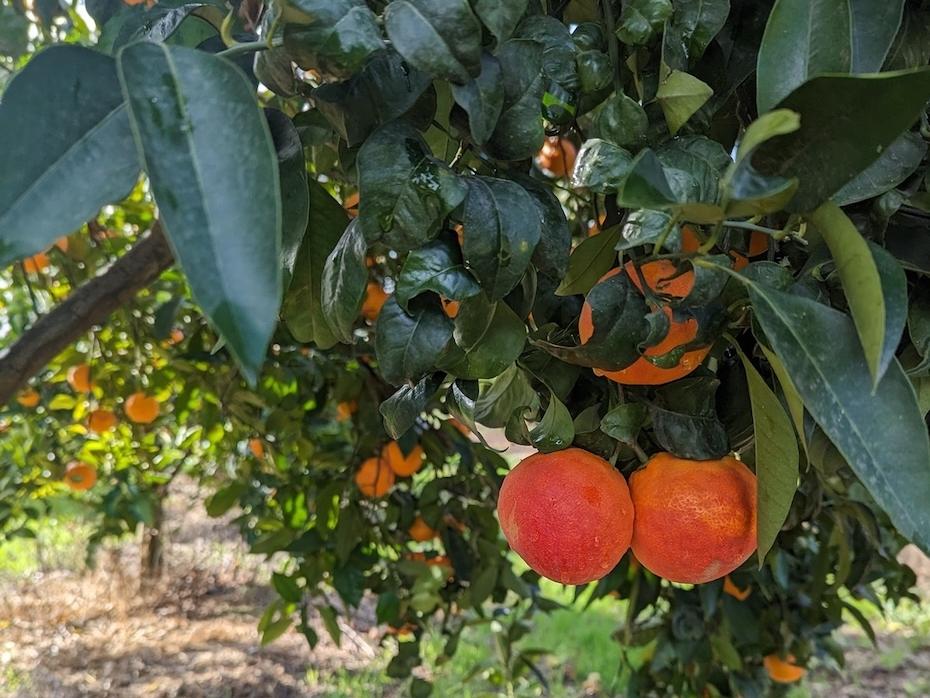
x,y
89,305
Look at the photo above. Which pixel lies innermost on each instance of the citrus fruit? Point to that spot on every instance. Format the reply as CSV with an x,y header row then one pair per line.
x,y
450,308
662,276
375,297
79,378
783,670
142,409
350,204
402,465
374,477
758,244
421,531
345,410
100,421
695,519
257,447
729,587
568,514
28,398
557,156
36,263
80,476
62,243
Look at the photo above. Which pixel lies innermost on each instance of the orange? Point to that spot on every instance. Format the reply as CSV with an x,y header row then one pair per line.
x,y
405,629
257,448
729,587
783,670
100,421
557,156
79,378
80,476
594,227
28,398
758,244
690,242
642,371
402,465
36,263
662,276
62,244
375,297
695,519
345,410
374,478
568,514
740,261
175,337
351,204
142,409
420,531
450,308
460,233
461,428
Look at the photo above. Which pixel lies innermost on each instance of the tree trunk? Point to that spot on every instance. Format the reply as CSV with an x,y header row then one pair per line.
x,y
153,547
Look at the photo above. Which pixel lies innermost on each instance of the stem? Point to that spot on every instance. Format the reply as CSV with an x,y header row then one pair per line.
x,y
613,46
746,225
640,453
249,47
663,236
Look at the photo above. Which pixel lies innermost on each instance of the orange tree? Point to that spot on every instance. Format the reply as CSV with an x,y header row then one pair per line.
x,y
308,252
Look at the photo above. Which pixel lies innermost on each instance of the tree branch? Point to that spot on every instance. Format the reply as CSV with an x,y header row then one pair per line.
x,y
87,306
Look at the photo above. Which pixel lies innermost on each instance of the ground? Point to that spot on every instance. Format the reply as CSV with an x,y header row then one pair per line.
x,y
66,631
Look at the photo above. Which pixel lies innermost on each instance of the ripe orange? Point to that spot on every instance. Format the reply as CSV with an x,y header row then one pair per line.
x,y
257,448
461,428
375,297
374,477
557,156
690,242
729,587
350,204
450,308
758,244
79,378
175,337
345,410
594,227
80,476
460,233
421,531
740,261
142,409
28,398
642,371
695,520
568,514
62,243
36,263
783,670
402,465
662,276
100,421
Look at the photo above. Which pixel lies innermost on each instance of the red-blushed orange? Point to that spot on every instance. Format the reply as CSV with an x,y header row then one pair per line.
x,y
568,514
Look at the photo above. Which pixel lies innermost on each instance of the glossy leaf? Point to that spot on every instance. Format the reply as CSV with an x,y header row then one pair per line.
x,y
684,420
500,16
344,282
483,99
489,337
641,20
692,27
61,161
555,430
500,398
335,36
601,166
225,229
555,240
407,344
874,284
590,260
624,422
680,95
437,267
401,410
295,196
519,132
622,121
896,163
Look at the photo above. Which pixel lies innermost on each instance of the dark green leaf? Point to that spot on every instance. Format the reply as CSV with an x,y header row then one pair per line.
x,y
500,398
62,160
502,229
559,50
440,37
601,166
500,16
437,267
420,688
286,587
624,421
519,132
684,419
400,411
274,70
590,260
555,241
641,20
186,107
333,36
645,185
303,308
895,164
223,499
622,121
344,282
14,32
488,338
692,27
483,99
407,345
331,623
555,430
295,196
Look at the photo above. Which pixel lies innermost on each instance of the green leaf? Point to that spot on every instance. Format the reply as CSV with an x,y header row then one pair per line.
x,y
624,421
590,260
489,337
437,267
835,128
504,395
407,345
14,32
400,411
880,433
221,206
555,430
331,623
519,132
874,285
622,121
333,36
286,587
344,282
693,166
555,241
405,193
641,20
440,37
779,122
420,688
275,629
223,499
645,185
502,228
792,399
482,586
500,16
303,307
601,166
776,458
685,422
680,95
482,98
295,196
896,163
691,29
61,162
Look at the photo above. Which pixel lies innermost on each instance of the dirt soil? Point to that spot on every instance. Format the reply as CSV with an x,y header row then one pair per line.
x,y
65,634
